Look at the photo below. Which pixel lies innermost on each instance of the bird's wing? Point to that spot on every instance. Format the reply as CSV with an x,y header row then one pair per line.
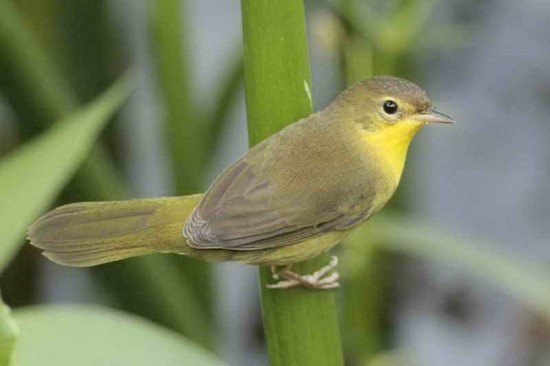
x,y
238,212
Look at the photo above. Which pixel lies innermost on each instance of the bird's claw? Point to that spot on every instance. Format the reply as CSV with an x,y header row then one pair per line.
x,y
316,280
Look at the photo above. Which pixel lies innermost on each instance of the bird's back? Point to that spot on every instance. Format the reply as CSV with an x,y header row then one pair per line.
x,y
311,177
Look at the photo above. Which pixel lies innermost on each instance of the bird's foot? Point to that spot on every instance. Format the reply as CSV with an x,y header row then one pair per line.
x,y
317,280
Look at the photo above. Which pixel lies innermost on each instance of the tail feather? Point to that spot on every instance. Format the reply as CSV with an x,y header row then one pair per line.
x,y
91,233
87,259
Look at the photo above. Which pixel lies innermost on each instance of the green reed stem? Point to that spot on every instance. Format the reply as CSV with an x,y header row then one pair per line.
x,y
300,325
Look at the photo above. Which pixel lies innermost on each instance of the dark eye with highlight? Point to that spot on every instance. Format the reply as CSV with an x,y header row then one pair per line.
x,y
390,107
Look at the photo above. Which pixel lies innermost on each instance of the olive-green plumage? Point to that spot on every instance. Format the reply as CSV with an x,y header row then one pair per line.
x,y
287,199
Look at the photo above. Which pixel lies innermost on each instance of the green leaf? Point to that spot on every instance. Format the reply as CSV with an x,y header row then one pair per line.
x,y
8,335
34,174
93,336
526,282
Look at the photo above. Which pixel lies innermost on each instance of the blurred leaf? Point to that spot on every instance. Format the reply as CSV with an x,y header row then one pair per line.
x,y
226,93
28,73
9,332
93,336
405,25
185,135
152,286
393,32
392,358
170,34
444,37
366,23
34,174
89,48
33,83
527,282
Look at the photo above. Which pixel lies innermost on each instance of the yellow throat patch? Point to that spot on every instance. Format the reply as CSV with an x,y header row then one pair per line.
x,y
390,145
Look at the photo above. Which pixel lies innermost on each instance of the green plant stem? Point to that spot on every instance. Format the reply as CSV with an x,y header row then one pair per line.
x,y
366,293
9,332
301,325
184,128
366,301
228,90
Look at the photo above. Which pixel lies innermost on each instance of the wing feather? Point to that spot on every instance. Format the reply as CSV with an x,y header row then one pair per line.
x,y
275,195
238,213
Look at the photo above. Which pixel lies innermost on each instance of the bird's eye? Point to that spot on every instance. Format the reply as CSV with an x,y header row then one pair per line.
x,y
390,107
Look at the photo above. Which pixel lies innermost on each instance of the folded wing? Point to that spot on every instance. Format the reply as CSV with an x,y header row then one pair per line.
x,y
243,210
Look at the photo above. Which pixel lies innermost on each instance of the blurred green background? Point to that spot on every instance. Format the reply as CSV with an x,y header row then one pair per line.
x,y
455,272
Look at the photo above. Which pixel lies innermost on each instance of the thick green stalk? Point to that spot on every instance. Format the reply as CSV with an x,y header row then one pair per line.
x,y
300,325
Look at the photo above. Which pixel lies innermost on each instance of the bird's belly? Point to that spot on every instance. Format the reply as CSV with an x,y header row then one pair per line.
x,y
294,253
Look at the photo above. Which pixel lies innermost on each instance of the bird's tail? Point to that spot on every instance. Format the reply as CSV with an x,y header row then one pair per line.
x,y
91,233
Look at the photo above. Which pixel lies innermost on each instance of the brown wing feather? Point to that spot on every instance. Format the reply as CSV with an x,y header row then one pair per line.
x,y
276,194
237,212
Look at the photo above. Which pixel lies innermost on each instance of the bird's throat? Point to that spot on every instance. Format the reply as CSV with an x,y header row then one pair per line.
x,y
390,146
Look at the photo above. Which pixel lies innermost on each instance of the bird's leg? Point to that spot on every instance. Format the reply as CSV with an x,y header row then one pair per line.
x,y
316,280
321,272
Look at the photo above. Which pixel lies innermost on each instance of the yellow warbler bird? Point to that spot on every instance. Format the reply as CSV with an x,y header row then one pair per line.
x,y
286,200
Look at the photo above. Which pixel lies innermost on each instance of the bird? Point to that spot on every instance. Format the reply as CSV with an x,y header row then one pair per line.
x,y
289,198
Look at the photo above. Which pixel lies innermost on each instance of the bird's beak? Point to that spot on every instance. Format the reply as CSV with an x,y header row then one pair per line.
x,y
433,116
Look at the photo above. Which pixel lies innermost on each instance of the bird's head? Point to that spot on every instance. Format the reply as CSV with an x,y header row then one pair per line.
x,y
387,112
384,103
